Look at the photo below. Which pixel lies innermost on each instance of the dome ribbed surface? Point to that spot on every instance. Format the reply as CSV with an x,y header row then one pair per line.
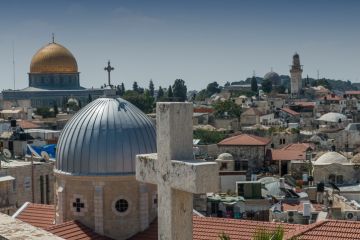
x,y
103,138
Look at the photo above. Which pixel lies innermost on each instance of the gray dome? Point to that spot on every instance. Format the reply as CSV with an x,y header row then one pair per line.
x,y
273,77
331,158
103,138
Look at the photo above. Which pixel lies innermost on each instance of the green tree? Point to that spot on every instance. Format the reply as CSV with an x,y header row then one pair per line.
x,y
224,236
151,88
160,93
208,137
266,85
180,90
89,99
262,234
143,101
44,112
56,109
170,94
212,88
227,108
322,82
135,87
122,88
202,95
254,85
227,84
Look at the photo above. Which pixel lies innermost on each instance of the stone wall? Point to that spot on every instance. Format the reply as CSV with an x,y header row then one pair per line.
x,y
255,155
21,189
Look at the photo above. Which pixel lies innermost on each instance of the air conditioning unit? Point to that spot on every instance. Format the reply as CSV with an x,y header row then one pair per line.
x,y
351,215
291,216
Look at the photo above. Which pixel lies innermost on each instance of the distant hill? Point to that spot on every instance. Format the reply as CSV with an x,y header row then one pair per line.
x,y
337,85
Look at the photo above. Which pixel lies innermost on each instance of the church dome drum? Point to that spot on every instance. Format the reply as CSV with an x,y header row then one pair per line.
x,y
103,138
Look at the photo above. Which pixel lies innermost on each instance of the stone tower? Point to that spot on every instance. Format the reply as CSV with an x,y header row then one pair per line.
x,y
295,74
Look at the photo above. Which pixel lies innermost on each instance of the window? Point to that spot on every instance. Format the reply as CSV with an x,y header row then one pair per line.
x,y
121,205
244,165
339,179
14,185
47,189
42,189
241,189
332,178
237,165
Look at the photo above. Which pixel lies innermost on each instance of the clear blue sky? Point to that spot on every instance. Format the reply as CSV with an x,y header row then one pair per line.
x,y
198,41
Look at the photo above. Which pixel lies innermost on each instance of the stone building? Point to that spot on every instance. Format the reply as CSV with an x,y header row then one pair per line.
x,y
295,75
248,151
53,78
95,169
333,167
22,181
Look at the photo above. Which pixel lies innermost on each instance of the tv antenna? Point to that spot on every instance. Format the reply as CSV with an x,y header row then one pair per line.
x,y
13,62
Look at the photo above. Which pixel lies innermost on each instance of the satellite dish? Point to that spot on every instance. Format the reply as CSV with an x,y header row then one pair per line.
x,y
7,154
45,155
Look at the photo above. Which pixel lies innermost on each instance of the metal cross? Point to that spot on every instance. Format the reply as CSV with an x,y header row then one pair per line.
x,y
109,68
78,205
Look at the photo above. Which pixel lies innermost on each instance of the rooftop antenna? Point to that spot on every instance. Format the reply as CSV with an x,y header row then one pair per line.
x,y
13,62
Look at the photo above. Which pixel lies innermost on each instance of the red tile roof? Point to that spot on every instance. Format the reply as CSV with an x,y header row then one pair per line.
x,y
352,92
74,230
43,216
332,97
24,124
203,110
287,155
291,112
38,215
299,146
245,140
329,229
206,228
295,151
305,104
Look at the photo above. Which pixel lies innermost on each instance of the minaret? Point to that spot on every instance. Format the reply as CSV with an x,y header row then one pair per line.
x,y
295,74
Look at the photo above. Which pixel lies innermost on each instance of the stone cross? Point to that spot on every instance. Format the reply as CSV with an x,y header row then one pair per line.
x,y
177,175
109,68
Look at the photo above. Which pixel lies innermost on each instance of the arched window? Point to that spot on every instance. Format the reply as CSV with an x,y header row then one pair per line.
x,y
332,178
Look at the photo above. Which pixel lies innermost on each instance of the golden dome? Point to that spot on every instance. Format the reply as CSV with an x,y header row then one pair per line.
x,y
53,58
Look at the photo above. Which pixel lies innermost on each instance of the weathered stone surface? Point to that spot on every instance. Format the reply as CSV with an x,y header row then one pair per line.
x,y
190,176
175,172
11,228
